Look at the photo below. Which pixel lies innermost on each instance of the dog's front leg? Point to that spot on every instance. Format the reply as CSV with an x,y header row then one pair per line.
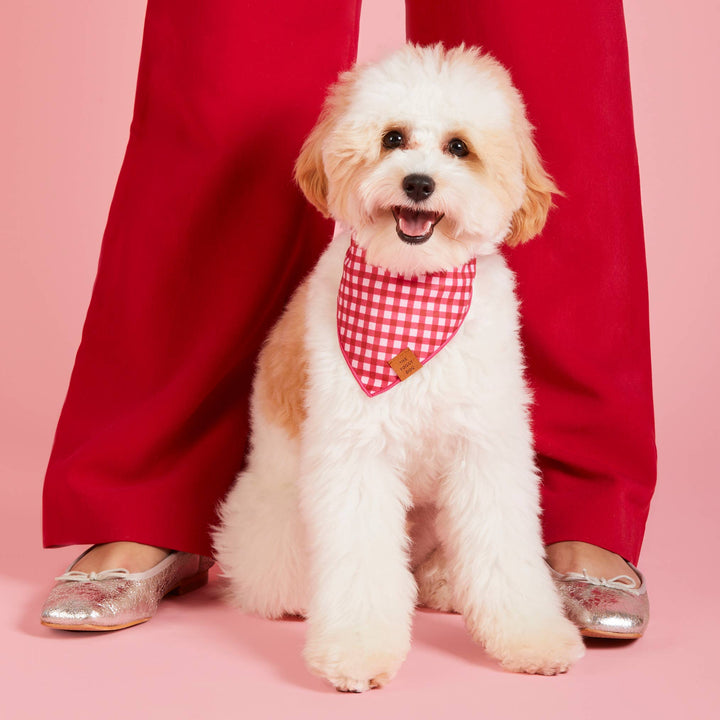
x,y
489,524
363,592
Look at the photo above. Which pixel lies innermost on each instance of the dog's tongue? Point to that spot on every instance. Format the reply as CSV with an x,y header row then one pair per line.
x,y
415,223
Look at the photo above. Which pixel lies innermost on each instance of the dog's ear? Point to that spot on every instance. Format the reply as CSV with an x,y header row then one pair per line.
x,y
530,218
309,169
310,172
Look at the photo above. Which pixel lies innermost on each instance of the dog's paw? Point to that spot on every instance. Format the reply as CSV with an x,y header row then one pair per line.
x,y
434,588
550,648
356,661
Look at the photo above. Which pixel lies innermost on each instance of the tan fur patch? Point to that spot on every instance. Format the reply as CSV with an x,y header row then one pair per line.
x,y
281,382
530,218
310,171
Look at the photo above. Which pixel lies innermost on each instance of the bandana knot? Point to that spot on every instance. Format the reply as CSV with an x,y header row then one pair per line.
x,y
385,317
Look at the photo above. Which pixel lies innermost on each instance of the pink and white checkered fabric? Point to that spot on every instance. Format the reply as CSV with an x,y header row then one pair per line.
x,y
380,313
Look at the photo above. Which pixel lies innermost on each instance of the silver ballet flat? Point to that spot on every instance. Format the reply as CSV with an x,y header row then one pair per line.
x,y
616,608
115,599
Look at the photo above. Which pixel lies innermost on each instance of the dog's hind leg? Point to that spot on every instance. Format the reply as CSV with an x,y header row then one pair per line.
x,y
434,584
428,560
261,541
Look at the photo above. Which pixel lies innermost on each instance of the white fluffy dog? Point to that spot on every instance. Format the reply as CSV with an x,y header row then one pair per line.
x,y
360,500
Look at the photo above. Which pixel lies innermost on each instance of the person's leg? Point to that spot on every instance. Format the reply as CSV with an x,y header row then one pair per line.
x,y
583,284
206,238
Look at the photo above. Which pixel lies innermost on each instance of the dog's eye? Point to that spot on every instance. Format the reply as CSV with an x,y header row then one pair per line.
x,y
393,139
457,148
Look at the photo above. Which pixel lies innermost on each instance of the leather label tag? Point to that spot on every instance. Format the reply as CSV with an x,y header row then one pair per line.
x,y
405,364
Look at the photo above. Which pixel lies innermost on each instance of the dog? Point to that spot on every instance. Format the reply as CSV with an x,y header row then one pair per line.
x,y
387,469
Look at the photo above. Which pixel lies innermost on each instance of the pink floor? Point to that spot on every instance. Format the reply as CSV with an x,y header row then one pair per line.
x,y
68,73
199,658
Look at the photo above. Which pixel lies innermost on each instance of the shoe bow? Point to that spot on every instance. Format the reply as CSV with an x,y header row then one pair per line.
x,y
83,577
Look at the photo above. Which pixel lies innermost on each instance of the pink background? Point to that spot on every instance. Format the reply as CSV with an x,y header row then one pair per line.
x,y
68,73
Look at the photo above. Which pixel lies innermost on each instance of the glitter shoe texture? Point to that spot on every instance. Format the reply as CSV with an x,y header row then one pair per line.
x,y
116,599
602,608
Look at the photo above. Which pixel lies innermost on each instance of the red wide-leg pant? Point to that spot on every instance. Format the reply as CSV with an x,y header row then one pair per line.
x,y
207,237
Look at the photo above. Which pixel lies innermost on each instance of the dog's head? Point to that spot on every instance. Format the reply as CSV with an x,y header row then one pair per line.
x,y
428,157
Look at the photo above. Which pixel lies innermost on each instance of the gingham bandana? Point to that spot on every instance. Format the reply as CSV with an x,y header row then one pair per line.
x,y
380,314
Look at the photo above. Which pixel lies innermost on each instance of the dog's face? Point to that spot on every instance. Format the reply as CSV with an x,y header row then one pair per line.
x,y
428,157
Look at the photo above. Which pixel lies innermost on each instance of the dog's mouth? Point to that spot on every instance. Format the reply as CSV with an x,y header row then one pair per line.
x,y
415,226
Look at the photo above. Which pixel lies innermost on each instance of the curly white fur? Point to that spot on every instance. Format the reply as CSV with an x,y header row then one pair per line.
x,y
352,509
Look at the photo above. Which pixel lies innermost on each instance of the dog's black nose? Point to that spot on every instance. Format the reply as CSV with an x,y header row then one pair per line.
x,y
418,187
